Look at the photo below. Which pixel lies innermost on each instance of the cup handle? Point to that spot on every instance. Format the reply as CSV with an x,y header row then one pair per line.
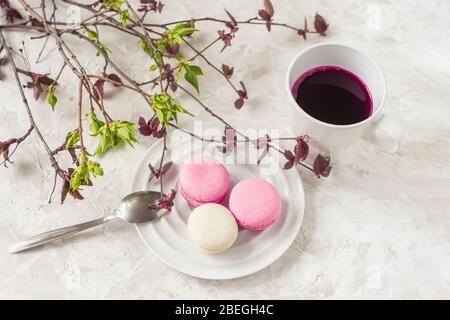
x,y
386,133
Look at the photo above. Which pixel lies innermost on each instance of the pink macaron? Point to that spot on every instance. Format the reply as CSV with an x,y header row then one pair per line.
x,y
255,204
203,179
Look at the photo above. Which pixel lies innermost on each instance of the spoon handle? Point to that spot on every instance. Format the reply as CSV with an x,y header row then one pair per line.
x,y
46,237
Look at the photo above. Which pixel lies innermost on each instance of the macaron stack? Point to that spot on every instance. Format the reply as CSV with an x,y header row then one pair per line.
x,y
254,204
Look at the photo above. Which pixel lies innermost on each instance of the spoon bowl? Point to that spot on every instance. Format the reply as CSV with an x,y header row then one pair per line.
x,y
135,207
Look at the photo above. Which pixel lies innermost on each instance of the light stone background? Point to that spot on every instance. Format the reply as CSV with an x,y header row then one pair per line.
x,y
378,227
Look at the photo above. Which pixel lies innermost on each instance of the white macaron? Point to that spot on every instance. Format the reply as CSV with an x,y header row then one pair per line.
x,y
212,227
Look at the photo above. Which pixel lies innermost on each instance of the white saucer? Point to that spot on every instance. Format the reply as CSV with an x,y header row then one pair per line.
x,y
169,239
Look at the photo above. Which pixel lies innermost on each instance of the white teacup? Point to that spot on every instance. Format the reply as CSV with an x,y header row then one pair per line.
x,y
332,139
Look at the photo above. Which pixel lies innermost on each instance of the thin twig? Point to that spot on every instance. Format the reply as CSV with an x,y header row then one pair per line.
x,y
17,142
79,113
161,185
201,55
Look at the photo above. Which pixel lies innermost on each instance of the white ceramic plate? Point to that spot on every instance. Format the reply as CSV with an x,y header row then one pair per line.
x,y
169,239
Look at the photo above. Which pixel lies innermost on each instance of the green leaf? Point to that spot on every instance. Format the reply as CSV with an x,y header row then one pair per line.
x,y
72,138
146,47
162,42
109,4
186,31
102,50
153,67
177,107
51,98
124,15
158,58
179,72
166,108
75,180
161,117
79,176
82,174
181,30
94,168
191,73
196,70
191,77
177,38
115,134
92,35
96,124
124,134
177,32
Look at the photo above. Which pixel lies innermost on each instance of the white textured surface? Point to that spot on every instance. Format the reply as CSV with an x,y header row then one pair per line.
x,y
378,227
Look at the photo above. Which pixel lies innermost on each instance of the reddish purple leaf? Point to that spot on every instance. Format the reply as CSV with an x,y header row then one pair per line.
x,y
99,89
160,133
151,128
269,7
73,155
156,173
226,38
11,14
229,140
321,166
160,6
172,50
289,155
242,97
233,29
114,77
4,149
243,93
320,25
227,70
166,167
173,86
263,154
37,91
263,142
5,155
165,202
34,22
65,176
229,135
301,149
232,19
288,165
45,80
302,33
238,103
142,122
151,5
64,191
36,81
264,15
144,128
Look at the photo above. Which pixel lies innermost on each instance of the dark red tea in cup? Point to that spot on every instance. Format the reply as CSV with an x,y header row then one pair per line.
x,y
333,95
